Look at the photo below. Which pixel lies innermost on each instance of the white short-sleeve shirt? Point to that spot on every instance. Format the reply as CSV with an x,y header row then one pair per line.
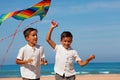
x,y
31,70
64,61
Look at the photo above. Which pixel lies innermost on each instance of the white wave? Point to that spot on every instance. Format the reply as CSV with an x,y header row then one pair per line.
x,y
52,72
84,72
77,72
104,72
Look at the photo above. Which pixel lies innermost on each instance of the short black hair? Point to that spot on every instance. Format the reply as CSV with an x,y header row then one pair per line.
x,y
28,31
66,34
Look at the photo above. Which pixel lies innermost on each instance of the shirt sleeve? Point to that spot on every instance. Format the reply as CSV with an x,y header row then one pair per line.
x,y
56,47
77,58
42,54
20,54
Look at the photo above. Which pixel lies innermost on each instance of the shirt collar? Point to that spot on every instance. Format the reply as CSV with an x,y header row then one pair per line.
x,y
31,47
68,48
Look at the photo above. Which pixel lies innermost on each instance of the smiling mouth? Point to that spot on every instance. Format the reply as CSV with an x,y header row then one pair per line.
x,y
66,46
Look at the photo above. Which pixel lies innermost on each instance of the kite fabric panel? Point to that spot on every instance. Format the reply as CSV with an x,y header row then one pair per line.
x,y
39,9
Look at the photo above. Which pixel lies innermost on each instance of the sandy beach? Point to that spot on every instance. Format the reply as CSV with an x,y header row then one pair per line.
x,y
79,77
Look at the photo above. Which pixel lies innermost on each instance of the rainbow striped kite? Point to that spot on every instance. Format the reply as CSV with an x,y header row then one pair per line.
x,y
39,9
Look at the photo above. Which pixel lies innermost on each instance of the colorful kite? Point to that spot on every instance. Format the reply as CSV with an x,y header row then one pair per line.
x,y
39,9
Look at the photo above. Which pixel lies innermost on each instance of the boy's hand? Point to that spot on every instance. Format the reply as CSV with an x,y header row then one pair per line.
x,y
44,62
91,57
29,60
54,24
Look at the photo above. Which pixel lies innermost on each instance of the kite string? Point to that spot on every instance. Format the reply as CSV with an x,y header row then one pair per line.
x,y
9,36
9,46
30,24
13,36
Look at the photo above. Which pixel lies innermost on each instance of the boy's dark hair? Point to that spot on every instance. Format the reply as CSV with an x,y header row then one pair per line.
x,y
28,30
66,34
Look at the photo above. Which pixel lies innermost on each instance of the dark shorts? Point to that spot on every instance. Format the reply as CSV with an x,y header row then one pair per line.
x,y
59,77
30,79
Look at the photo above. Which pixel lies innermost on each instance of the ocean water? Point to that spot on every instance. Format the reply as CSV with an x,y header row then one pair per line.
x,y
91,68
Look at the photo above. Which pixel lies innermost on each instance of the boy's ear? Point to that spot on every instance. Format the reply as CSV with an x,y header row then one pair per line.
x,y
60,40
27,38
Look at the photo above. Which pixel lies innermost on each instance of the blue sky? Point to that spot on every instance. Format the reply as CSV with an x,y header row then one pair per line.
x,y
95,25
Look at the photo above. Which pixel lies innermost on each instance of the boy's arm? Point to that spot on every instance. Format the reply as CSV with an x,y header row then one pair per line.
x,y
18,61
48,37
83,63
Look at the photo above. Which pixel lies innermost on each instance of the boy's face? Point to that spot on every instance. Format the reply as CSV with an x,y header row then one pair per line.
x,y
66,42
32,38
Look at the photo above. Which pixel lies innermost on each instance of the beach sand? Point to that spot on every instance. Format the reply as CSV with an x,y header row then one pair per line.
x,y
79,77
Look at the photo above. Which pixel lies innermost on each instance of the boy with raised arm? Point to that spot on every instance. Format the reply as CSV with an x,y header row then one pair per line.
x,y
65,55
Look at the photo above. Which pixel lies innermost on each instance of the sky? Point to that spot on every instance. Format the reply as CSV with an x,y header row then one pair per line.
x,y
95,25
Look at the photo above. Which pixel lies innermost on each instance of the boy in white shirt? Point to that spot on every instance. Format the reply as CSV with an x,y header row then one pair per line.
x,y
65,55
31,56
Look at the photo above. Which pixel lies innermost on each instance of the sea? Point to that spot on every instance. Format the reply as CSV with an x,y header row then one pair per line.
x,y
7,71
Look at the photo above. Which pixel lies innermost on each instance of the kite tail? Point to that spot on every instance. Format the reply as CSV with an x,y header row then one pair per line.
x,y
3,17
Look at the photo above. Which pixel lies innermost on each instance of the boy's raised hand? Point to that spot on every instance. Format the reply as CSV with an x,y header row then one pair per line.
x,y
54,24
91,57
